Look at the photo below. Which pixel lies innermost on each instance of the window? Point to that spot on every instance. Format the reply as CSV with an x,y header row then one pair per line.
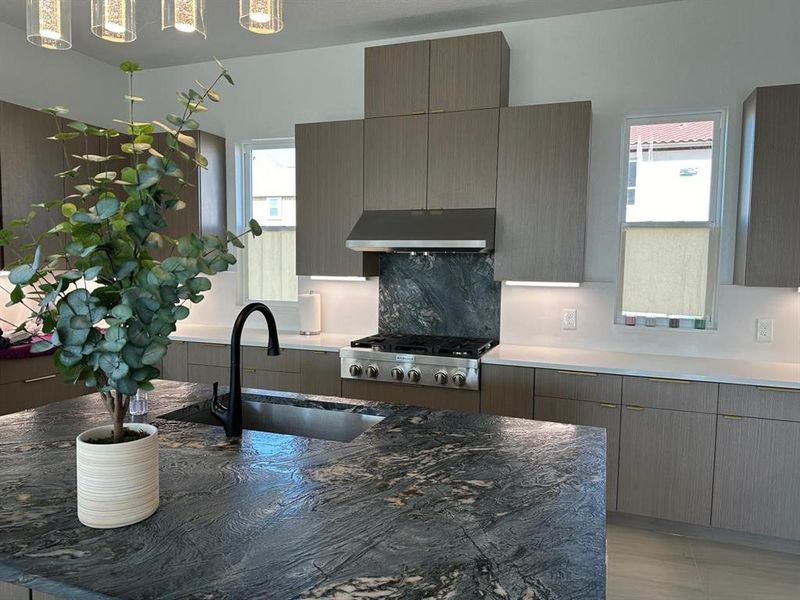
x,y
670,220
268,192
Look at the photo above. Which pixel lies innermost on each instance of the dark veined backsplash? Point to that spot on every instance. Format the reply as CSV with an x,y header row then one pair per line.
x,y
439,294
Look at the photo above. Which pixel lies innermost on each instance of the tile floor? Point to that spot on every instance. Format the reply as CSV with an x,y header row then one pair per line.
x,y
647,565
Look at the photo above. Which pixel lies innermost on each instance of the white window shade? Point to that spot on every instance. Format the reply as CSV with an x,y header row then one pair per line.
x,y
666,271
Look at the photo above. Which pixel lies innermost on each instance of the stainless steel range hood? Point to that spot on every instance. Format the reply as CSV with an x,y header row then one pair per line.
x,y
452,230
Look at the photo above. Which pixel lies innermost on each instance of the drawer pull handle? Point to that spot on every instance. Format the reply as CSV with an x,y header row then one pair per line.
x,y
764,388
661,380
732,417
635,407
418,112
436,110
35,379
604,405
578,373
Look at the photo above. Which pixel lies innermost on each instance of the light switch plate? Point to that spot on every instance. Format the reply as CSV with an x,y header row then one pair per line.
x,y
569,318
764,330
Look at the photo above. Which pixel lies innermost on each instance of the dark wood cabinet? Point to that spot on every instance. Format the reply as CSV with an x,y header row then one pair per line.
x,y
396,79
174,366
31,382
319,373
542,183
768,244
469,72
462,159
396,163
205,196
330,198
28,164
507,391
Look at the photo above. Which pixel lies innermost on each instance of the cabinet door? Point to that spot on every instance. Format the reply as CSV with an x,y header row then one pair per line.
x,y
576,412
330,198
462,159
9,591
175,364
768,247
395,163
666,464
542,179
469,72
320,373
396,79
37,391
507,391
757,476
28,164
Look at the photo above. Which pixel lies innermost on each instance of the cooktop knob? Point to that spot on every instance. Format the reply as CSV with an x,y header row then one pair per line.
x,y
441,377
355,370
397,373
414,375
459,379
372,371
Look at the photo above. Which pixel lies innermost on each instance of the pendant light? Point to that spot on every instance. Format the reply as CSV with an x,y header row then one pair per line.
x,y
50,23
186,16
114,20
261,16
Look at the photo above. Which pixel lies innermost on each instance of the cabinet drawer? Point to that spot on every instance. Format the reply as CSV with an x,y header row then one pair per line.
x,y
320,373
579,385
576,412
26,368
671,394
507,391
413,395
209,374
761,402
212,355
271,380
288,361
37,391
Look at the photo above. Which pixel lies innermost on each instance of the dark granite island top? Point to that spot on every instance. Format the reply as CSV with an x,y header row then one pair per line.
x,y
425,504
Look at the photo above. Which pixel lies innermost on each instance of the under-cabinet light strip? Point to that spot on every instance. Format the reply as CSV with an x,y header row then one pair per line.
x,y
333,278
562,284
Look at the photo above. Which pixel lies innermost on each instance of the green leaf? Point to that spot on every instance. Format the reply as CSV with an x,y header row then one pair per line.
x,y
130,67
186,140
122,312
255,228
5,237
17,295
80,322
91,273
54,110
199,284
41,346
107,207
147,178
78,126
65,136
153,354
234,240
68,209
181,312
200,160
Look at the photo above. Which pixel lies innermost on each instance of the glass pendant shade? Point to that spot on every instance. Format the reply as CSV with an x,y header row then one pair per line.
x,y
261,16
50,23
186,16
114,20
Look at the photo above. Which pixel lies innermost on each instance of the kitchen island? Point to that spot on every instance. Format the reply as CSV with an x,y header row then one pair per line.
x,y
423,504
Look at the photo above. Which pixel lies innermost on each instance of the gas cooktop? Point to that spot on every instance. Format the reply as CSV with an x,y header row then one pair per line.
x,y
432,345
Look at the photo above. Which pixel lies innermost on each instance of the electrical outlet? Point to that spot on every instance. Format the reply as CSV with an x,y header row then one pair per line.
x,y
569,318
764,330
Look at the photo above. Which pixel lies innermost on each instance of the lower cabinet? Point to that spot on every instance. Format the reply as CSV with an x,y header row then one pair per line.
x,y
320,373
32,382
10,591
412,395
507,391
594,414
175,363
757,476
666,464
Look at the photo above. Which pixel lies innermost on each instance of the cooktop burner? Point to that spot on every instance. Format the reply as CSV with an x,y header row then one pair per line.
x,y
426,344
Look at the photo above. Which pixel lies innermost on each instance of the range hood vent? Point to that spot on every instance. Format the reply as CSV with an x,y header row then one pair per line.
x,y
454,230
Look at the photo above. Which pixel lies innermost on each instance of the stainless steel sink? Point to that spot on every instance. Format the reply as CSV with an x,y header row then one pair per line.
x,y
335,425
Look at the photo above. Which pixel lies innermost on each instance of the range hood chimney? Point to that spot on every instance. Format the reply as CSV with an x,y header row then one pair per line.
x,y
452,230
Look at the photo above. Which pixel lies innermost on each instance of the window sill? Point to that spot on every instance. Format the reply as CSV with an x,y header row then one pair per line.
x,y
619,327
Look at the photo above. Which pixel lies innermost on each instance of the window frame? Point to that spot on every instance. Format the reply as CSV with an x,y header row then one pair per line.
x,y
289,307
715,211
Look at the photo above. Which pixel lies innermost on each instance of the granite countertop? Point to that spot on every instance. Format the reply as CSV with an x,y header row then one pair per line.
x,y
720,370
424,504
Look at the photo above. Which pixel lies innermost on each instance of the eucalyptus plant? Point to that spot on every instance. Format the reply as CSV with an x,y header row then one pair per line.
x,y
109,305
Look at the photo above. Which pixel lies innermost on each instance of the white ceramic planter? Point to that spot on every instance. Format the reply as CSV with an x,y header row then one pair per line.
x,y
117,483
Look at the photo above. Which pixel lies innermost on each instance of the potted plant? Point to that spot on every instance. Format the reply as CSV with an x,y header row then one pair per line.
x,y
107,304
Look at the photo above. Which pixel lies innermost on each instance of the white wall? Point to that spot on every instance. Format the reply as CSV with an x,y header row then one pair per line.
x,y
674,57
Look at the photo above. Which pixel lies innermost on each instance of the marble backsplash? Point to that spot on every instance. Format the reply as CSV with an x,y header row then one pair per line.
x,y
439,294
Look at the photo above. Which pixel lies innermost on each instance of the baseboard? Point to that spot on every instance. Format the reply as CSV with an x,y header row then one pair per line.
x,y
712,534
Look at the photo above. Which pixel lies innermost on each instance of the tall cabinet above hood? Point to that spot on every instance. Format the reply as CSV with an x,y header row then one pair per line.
x,y
452,230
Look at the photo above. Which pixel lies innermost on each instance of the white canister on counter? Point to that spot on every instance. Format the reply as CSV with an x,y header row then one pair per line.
x,y
310,309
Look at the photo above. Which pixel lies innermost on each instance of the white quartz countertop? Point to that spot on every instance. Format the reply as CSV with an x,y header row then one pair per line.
x,y
773,374
257,336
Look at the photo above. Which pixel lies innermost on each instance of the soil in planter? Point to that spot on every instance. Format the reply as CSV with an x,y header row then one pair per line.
x,y
129,435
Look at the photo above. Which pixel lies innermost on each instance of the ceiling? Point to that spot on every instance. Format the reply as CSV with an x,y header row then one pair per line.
x,y
309,24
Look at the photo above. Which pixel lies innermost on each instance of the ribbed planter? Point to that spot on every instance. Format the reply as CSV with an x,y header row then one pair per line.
x,y
117,483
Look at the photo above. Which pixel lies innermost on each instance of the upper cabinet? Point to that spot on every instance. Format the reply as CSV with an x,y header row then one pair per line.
x,y
330,198
542,181
395,162
396,79
462,159
768,243
469,72
204,213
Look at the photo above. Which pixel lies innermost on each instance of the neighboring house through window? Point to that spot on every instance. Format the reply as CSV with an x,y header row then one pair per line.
x,y
670,224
